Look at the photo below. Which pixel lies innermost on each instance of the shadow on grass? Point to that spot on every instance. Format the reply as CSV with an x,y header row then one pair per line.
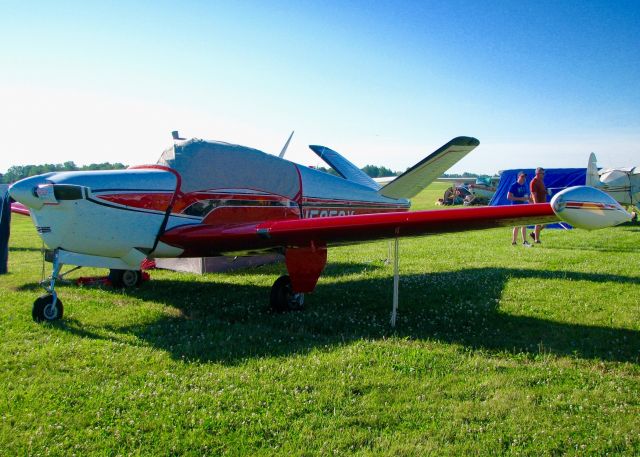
x,y
333,269
616,249
228,323
23,249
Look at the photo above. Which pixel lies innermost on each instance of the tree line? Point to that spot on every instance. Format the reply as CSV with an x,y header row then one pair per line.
x,y
18,172
376,171
372,170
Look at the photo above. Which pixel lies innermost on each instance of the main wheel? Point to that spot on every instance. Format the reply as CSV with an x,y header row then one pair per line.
x,y
283,298
125,278
43,309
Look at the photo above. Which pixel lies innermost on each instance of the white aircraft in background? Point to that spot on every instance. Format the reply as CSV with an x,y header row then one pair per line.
x,y
623,184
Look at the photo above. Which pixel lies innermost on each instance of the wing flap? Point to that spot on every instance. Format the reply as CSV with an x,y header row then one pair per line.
x,y
19,208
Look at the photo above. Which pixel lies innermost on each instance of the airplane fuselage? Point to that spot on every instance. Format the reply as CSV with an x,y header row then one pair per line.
x,y
126,214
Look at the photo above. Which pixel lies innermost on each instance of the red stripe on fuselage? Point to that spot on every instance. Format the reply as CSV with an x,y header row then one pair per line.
x,y
152,201
311,207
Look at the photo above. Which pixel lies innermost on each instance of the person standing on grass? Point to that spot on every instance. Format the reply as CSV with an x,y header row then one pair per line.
x,y
539,195
518,195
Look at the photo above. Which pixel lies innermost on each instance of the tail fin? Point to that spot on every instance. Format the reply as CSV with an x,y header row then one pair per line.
x,y
593,179
344,167
416,178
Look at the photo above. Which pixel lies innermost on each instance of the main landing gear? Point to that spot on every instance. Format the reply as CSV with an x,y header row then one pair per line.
x,y
283,298
125,278
304,264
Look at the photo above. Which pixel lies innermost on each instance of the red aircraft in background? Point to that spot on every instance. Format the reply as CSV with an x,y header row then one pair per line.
x,y
208,198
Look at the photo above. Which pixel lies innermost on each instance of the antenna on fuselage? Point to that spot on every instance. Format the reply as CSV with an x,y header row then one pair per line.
x,y
286,145
176,136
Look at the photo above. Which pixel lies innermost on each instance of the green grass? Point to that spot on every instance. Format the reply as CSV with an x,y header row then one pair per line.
x,y
498,350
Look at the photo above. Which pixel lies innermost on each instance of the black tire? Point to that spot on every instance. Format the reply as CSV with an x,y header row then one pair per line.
x,y
282,298
43,311
125,278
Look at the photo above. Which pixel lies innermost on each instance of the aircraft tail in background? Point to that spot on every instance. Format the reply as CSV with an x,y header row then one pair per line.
x,y
593,179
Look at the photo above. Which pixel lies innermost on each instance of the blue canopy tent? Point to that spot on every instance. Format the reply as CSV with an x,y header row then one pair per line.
x,y
555,179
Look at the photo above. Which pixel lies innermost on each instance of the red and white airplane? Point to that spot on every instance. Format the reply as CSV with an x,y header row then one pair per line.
x,y
207,198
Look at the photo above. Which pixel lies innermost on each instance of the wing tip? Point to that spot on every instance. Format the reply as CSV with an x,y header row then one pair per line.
x,y
465,141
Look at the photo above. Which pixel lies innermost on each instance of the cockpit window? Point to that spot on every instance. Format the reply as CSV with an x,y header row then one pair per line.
x,y
203,207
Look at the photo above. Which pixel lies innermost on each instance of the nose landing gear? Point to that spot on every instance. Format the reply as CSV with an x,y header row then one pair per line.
x,y
48,307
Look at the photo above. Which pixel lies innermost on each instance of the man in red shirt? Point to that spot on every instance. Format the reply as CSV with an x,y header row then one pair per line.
x,y
538,195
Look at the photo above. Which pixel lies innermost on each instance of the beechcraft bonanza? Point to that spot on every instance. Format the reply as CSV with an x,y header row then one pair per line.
x,y
208,198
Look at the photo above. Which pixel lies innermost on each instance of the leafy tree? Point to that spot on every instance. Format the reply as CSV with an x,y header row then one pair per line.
x,y
331,171
372,170
466,174
378,171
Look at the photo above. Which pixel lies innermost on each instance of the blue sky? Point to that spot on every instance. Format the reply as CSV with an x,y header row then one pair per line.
x,y
538,83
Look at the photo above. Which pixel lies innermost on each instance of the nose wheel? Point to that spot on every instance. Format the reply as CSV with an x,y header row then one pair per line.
x,y
283,298
47,307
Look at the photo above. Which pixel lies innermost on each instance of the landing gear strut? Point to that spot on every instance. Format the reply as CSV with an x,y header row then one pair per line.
x,y
48,307
283,298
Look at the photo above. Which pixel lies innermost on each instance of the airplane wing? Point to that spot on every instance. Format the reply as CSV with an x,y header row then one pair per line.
x,y
418,177
350,229
344,167
580,206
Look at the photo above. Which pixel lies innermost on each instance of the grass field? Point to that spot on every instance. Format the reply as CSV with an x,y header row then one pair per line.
x,y
499,350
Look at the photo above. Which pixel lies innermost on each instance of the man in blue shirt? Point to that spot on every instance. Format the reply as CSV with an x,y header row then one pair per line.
x,y
519,195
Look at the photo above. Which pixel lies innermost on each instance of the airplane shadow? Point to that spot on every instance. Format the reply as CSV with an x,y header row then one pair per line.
x,y
228,323
333,269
